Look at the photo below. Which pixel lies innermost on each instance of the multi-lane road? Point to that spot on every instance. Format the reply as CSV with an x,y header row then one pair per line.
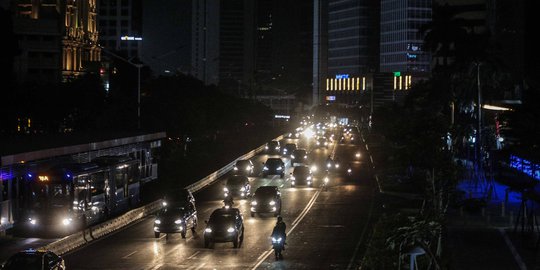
x,y
327,228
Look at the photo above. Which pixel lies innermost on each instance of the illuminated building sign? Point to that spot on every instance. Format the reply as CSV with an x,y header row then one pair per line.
x,y
43,178
278,116
525,166
128,38
342,76
330,98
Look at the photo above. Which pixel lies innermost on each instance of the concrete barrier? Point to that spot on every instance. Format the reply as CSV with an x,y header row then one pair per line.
x,y
92,233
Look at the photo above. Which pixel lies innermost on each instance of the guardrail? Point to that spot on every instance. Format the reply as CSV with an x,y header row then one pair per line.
x,y
92,233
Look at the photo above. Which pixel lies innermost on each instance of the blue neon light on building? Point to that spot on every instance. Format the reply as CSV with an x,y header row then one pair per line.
x,y
525,166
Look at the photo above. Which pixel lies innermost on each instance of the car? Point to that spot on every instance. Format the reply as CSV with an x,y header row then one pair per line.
x,y
34,259
243,167
272,147
321,142
273,166
301,175
299,156
267,199
178,196
237,185
176,218
289,148
224,225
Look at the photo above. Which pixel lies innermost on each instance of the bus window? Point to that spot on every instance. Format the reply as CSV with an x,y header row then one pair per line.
x,y
81,197
97,183
120,177
133,174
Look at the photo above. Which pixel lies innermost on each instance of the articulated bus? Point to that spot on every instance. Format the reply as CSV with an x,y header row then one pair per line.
x,y
68,197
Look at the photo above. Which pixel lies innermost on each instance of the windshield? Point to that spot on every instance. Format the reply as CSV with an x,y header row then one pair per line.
x,y
273,162
301,171
49,195
265,192
300,153
168,212
242,163
24,261
272,144
222,219
236,181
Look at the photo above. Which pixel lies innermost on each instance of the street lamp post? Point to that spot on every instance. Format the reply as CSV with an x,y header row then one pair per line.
x,y
138,66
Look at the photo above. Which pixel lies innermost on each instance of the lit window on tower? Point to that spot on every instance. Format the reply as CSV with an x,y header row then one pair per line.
x,y
364,83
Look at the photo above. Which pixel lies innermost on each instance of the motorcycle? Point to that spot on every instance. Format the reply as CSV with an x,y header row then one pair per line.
x,y
278,245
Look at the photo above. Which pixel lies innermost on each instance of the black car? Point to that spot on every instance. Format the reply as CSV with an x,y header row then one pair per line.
x,y
176,219
299,156
301,175
274,166
272,147
31,259
321,142
243,167
178,197
237,185
289,148
267,199
224,225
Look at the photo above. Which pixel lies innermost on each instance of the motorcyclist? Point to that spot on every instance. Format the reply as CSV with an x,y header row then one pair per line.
x,y
280,229
228,201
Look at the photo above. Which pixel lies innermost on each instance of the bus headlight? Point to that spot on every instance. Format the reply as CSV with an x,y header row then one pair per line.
x,y
178,221
66,221
32,221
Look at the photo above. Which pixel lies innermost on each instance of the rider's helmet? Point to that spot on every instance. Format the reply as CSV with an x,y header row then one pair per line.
x,y
279,219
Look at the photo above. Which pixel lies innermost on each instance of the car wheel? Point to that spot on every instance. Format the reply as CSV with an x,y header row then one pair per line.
x,y
206,243
156,234
235,242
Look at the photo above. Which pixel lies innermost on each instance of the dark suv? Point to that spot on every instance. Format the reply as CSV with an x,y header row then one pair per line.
x,y
237,185
274,166
176,219
178,197
35,259
301,175
272,147
267,199
224,225
299,156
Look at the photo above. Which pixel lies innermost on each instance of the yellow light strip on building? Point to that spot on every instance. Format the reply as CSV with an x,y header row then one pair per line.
x,y
395,82
348,83
327,84
364,83
410,80
400,82
339,84
331,84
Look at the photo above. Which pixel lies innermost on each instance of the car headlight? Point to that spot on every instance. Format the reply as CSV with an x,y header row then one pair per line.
x,y
235,168
293,178
357,155
314,168
254,203
243,189
32,221
279,168
66,221
225,189
178,221
292,156
230,229
265,168
277,148
325,143
305,157
272,203
309,178
326,179
248,168
318,143
157,221
164,203
337,165
266,147
208,230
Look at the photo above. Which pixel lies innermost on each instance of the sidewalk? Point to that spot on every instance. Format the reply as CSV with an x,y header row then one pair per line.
x,y
485,239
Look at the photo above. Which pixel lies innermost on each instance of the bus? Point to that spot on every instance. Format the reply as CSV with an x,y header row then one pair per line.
x,y
68,197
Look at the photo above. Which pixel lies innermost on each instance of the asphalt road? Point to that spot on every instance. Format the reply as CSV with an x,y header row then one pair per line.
x,y
327,228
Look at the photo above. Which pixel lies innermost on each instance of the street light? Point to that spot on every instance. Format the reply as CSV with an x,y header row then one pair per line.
x,y
138,66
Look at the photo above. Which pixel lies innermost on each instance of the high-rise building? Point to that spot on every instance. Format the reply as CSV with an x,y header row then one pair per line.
x,y
401,38
223,43
120,26
57,39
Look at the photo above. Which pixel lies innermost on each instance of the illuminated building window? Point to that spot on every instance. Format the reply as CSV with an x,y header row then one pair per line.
x,y
400,82
395,82
352,84
358,83
364,83
339,84
331,84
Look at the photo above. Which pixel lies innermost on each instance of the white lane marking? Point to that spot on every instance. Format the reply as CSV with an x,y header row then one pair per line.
x,y
332,226
353,258
513,250
193,255
267,253
127,256
198,267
